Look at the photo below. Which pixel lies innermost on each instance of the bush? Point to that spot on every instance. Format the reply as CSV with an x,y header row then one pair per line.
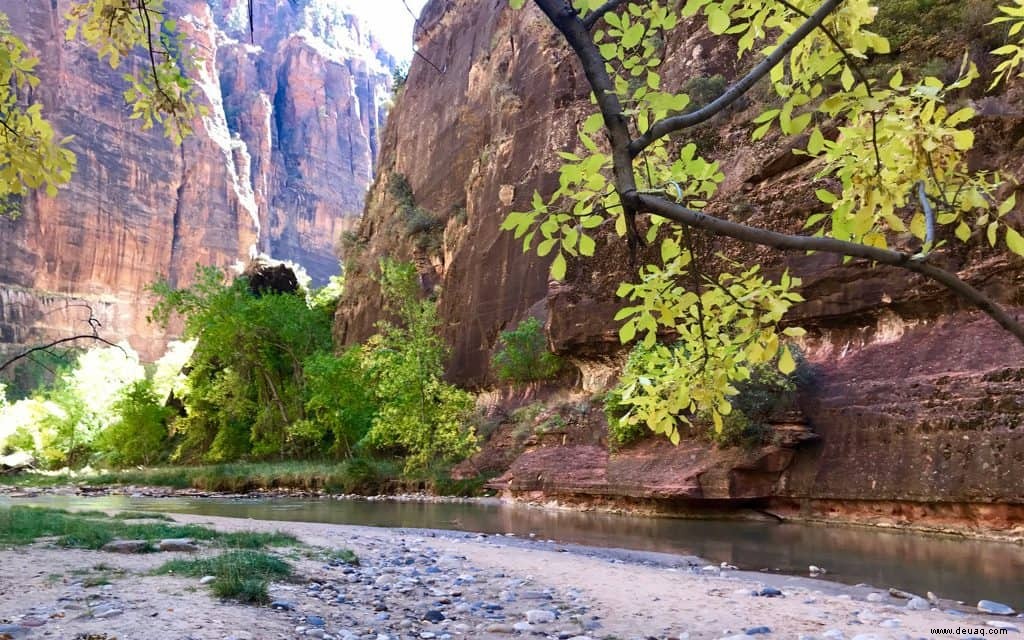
x,y
767,392
139,436
420,417
524,356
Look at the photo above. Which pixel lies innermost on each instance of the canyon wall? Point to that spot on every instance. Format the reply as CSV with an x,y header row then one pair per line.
x,y
279,165
916,397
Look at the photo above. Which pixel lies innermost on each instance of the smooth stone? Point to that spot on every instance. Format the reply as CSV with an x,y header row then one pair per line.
x,y
522,626
207,579
13,630
126,546
315,633
499,628
179,544
1001,624
282,605
833,634
754,631
890,623
997,608
866,636
315,621
539,616
918,604
433,615
769,592
107,612
875,597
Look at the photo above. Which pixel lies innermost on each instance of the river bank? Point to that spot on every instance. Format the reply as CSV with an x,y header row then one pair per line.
x,y
430,584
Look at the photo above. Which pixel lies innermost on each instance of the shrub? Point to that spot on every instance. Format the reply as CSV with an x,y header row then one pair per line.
x,y
524,356
139,435
420,417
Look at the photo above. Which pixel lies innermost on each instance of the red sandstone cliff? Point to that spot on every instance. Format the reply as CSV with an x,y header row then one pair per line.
x,y
918,398
280,164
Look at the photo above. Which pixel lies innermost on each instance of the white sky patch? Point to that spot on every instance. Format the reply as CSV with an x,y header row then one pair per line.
x,y
388,21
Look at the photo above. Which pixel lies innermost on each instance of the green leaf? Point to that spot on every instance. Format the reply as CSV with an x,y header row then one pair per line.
x,y
786,363
587,245
718,19
1014,241
558,267
627,332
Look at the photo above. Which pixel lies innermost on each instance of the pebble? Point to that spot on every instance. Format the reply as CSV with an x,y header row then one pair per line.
x,y
126,546
539,616
770,592
918,604
207,579
178,544
754,631
997,608
1002,624
875,597
282,605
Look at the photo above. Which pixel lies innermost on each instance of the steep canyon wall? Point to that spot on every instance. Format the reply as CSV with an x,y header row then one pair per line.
x,y
916,397
279,165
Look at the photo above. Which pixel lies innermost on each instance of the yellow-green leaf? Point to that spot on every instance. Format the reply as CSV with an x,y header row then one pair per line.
x,y
786,363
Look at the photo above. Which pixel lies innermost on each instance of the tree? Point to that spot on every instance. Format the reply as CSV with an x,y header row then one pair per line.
x,y
898,159
160,91
419,415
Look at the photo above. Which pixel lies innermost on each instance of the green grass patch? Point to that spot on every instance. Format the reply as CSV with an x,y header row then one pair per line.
x,y
241,575
93,529
358,475
140,515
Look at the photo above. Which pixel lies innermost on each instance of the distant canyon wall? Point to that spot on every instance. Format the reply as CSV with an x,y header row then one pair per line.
x,y
279,165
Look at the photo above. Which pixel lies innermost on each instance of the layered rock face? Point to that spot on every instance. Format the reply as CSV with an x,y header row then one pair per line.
x,y
915,396
279,165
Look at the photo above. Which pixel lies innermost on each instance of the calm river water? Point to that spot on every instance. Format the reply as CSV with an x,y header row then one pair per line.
x,y
954,568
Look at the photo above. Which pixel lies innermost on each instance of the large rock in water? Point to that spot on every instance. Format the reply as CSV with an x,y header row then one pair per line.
x,y
279,165
918,399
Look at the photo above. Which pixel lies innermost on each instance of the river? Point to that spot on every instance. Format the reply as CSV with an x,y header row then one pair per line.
x,y
955,568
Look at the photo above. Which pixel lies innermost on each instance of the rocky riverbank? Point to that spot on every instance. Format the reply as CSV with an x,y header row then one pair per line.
x,y
423,584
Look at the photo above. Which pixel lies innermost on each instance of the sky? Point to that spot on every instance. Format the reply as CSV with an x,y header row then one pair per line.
x,y
389,21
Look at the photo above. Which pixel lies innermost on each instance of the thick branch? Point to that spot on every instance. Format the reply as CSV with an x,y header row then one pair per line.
x,y
568,22
666,126
754,235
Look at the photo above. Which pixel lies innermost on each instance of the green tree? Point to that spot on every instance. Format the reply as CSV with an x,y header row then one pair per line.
x,y
523,354
246,386
899,161
420,416
138,435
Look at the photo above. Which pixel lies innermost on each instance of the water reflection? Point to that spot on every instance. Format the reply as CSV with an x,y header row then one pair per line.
x,y
960,569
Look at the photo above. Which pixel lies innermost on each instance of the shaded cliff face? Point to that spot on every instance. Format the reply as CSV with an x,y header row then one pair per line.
x,y
916,396
279,165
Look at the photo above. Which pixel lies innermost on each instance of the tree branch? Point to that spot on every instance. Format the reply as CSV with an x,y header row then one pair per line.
x,y
594,16
666,126
568,22
93,323
785,242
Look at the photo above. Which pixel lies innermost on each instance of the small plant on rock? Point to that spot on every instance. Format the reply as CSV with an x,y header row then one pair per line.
x,y
524,355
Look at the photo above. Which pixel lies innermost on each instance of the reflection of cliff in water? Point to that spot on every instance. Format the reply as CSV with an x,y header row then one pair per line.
x,y
968,570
